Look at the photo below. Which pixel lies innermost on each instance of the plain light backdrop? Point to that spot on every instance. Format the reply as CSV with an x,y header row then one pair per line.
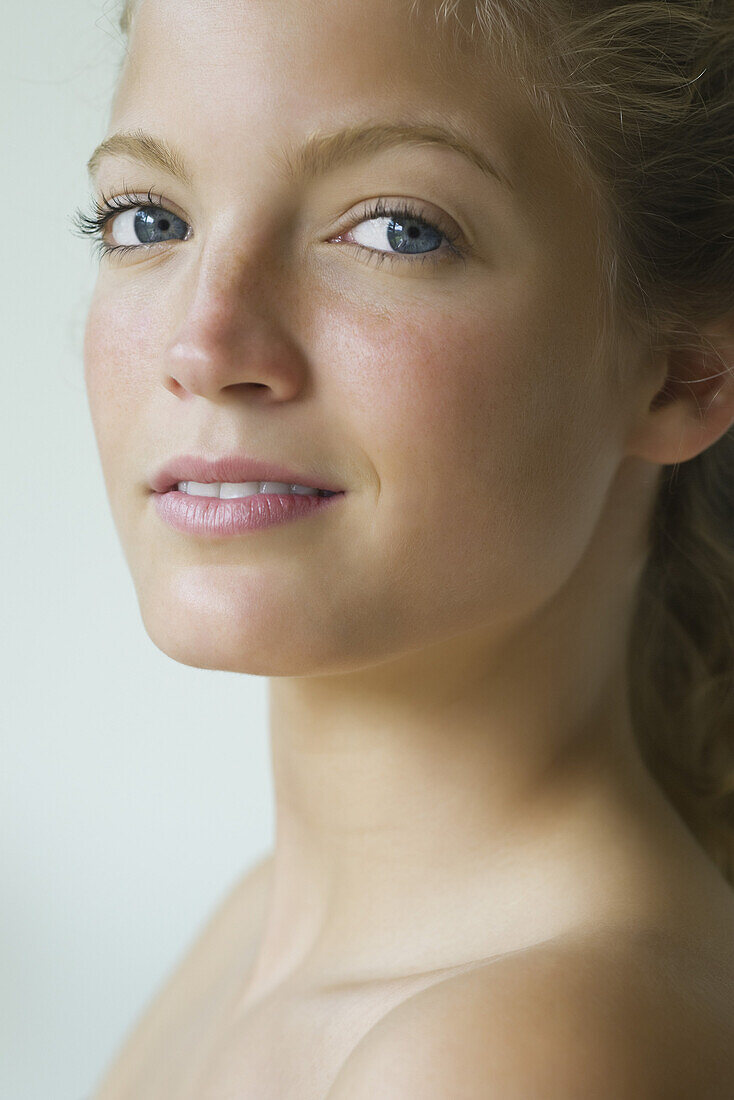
x,y
134,791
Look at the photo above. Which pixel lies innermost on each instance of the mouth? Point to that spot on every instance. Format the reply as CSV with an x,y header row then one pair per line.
x,y
237,475
241,491
215,511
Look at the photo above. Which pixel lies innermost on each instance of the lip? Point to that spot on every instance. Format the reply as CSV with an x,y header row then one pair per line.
x,y
234,468
212,518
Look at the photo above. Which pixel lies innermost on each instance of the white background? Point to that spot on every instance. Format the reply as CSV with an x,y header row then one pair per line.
x,y
134,791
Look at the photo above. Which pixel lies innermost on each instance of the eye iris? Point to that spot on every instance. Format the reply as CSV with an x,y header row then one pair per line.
x,y
411,229
150,221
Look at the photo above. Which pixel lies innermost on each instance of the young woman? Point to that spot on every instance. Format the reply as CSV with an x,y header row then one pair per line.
x,y
411,366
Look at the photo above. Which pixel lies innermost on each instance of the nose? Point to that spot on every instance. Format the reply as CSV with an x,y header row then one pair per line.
x,y
231,339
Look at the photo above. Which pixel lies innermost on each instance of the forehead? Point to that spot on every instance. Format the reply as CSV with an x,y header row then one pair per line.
x,y
294,65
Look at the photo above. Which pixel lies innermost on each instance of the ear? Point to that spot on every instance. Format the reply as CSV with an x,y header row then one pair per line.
x,y
694,405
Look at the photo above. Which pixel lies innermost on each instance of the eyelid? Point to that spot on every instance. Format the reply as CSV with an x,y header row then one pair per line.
x,y
368,213
384,205
149,197
458,245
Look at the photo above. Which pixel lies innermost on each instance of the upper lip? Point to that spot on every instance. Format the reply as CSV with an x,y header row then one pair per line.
x,y
232,468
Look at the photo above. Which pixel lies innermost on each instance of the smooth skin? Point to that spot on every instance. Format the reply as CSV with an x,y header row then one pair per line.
x,y
468,846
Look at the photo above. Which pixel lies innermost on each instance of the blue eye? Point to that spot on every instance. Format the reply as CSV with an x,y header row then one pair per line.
x,y
408,233
142,225
147,225
136,225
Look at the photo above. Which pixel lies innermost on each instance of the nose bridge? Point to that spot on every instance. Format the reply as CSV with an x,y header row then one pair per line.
x,y
231,314
237,277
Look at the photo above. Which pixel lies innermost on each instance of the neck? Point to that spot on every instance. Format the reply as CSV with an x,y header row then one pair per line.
x,y
447,789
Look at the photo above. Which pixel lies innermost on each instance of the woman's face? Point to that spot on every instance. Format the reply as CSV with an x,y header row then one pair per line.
x,y
456,399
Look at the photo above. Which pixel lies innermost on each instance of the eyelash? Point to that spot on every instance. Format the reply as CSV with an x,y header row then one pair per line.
x,y
92,225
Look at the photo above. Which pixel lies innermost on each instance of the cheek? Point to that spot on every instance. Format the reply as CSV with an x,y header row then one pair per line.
x,y
446,396
119,346
413,380
485,438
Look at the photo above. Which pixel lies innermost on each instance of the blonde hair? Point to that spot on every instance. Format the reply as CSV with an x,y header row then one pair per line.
x,y
640,98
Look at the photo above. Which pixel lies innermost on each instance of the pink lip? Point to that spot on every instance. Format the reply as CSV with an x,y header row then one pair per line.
x,y
233,468
211,517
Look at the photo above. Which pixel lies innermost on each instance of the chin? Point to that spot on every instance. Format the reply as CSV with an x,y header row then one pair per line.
x,y
207,640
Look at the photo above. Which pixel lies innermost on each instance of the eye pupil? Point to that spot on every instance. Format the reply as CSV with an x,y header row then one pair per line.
x,y
413,231
164,223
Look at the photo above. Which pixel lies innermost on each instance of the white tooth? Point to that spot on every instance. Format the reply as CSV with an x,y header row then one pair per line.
x,y
239,489
202,489
275,487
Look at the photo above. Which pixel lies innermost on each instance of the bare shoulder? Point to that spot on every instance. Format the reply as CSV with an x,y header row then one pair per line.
x,y
572,1019
171,1023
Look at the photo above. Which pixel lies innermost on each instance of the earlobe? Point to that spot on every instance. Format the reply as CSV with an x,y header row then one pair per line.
x,y
695,405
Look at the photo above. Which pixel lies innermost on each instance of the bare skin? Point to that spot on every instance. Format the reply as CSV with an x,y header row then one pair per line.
x,y
671,971
455,776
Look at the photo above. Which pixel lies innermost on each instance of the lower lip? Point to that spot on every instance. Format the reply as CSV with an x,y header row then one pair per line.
x,y
211,517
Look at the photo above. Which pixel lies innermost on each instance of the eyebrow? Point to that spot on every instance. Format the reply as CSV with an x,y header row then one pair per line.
x,y
319,154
